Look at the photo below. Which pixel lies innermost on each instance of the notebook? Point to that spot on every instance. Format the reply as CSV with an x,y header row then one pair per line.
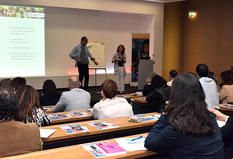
x,y
103,149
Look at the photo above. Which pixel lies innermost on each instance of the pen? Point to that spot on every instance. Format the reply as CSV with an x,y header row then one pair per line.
x,y
137,138
95,149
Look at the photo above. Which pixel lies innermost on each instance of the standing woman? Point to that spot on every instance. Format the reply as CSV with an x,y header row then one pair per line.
x,y
119,60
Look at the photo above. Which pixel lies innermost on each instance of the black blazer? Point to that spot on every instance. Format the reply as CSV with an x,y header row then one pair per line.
x,y
227,131
227,135
163,138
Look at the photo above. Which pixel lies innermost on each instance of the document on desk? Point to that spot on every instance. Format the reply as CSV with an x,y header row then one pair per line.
x,y
137,93
74,128
80,114
45,133
132,144
102,125
144,117
58,116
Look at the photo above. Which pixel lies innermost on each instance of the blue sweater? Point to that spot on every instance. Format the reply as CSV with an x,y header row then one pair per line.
x,y
163,138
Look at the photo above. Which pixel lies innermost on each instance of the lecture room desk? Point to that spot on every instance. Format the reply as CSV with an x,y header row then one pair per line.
x,y
227,107
72,118
141,100
121,122
77,152
130,96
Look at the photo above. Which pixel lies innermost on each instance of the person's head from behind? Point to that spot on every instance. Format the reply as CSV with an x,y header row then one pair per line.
x,y
73,82
227,77
49,85
121,49
18,81
202,70
28,101
173,74
50,89
150,77
158,82
187,110
8,104
109,89
84,41
7,83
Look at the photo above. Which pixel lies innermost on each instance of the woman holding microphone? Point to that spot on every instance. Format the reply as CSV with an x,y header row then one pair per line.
x,y
119,60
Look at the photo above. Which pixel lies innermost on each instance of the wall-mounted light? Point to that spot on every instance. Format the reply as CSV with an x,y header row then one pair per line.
x,y
192,14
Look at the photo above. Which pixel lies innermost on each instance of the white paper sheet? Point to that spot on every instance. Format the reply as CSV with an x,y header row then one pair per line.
x,y
131,146
45,133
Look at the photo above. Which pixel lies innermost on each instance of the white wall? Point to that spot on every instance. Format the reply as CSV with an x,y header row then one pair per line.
x,y
112,21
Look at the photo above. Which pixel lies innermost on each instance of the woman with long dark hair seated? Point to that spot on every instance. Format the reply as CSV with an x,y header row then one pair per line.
x,y
187,130
30,110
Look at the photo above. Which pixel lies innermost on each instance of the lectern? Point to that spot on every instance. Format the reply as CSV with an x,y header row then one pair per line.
x,y
144,69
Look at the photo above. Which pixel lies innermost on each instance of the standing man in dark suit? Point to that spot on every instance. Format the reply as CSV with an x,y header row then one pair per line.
x,y
80,54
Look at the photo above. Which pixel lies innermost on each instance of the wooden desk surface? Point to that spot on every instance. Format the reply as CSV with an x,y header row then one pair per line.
x,y
72,118
228,107
122,123
141,100
78,152
130,95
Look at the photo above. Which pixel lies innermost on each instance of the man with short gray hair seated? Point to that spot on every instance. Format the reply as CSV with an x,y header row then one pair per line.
x,y
75,99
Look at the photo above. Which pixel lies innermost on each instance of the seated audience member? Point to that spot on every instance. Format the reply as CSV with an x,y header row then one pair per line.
x,y
212,75
16,137
7,84
147,89
227,133
187,130
18,81
172,76
75,99
111,106
226,92
209,86
30,110
50,95
160,94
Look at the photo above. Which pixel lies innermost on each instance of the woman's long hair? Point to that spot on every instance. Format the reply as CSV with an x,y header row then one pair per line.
x,y
187,110
28,101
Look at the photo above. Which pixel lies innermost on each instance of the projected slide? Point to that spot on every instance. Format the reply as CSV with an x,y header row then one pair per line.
x,y
22,41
